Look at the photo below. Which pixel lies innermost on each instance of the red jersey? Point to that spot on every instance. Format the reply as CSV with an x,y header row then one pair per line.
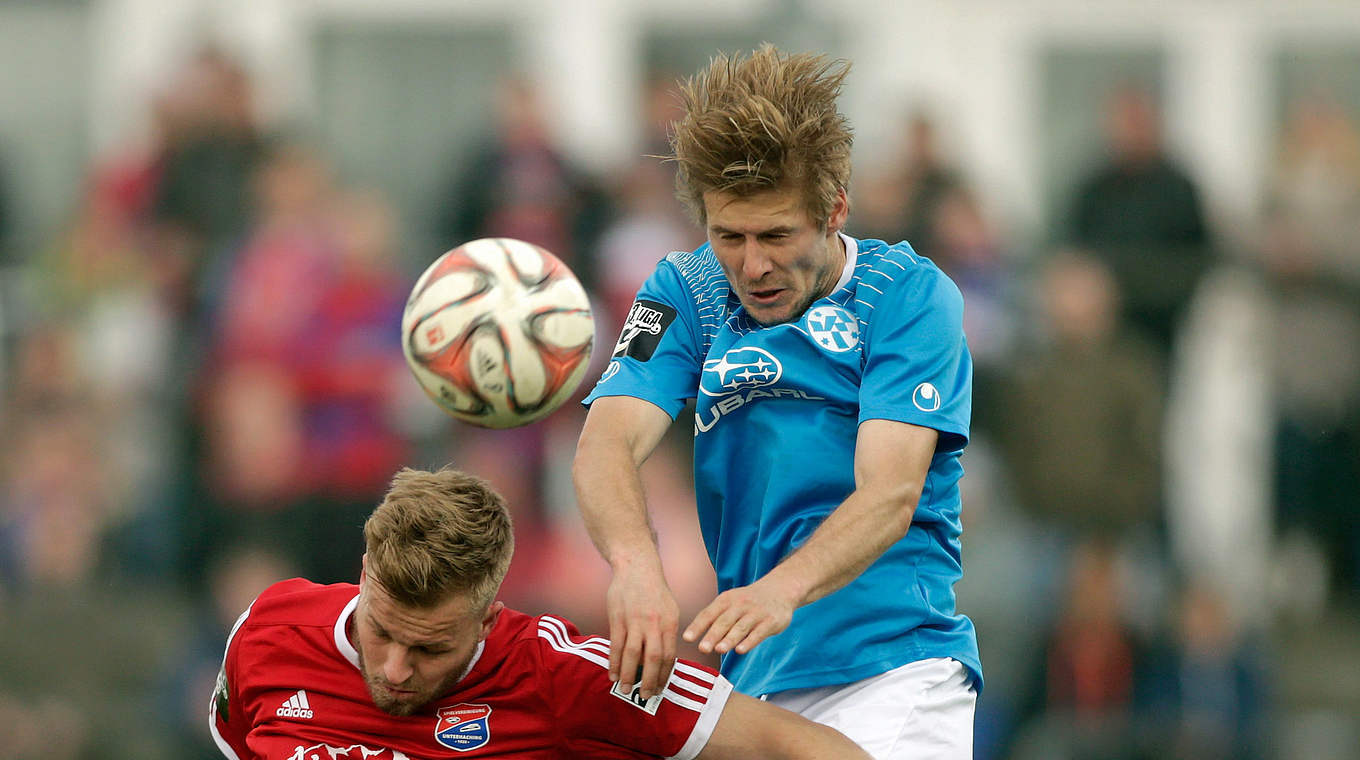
x,y
291,689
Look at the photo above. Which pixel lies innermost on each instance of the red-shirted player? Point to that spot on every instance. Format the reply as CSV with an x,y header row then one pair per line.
x,y
417,662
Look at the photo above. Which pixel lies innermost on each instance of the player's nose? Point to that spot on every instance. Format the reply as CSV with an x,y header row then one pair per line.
x,y
755,261
397,665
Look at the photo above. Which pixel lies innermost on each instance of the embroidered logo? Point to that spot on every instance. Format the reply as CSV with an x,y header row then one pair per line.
x,y
463,727
926,397
833,328
295,706
740,368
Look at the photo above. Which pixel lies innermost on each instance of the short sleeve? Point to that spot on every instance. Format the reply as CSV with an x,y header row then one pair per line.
x,y
597,719
916,367
656,357
226,714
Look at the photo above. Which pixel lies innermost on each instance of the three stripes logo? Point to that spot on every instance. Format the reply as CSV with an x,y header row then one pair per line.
x,y
295,706
689,687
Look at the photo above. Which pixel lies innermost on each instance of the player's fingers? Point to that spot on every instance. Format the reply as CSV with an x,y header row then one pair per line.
x,y
617,641
763,630
630,660
668,653
652,662
739,630
718,630
705,618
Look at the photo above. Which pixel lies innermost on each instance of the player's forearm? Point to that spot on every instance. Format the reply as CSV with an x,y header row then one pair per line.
x,y
609,493
849,540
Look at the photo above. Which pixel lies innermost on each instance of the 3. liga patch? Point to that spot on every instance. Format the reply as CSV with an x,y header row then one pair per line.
x,y
463,727
647,322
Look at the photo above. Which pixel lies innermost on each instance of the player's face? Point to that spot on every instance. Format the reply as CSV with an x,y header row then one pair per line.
x,y
411,656
777,259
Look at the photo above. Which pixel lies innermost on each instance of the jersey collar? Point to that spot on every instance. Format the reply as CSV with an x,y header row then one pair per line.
x,y
342,641
851,253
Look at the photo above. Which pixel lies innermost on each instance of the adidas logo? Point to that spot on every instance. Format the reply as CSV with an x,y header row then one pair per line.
x,y
295,706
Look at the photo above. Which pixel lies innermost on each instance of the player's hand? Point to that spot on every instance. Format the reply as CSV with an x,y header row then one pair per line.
x,y
742,617
643,619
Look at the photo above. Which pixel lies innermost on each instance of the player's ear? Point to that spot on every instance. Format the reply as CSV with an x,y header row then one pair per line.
x,y
363,569
839,212
493,614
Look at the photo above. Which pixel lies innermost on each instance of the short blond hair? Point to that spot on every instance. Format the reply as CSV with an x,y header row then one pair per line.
x,y
767,121
438,533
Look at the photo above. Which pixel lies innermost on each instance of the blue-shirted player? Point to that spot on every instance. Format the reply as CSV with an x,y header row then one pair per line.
x,y
832,389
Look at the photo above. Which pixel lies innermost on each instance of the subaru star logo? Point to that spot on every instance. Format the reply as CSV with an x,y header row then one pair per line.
x,y
926,397
739,368
833,328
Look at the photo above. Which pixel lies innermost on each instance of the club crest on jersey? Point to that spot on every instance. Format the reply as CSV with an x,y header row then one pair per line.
x,y
642,330
739,368
833,328
463,727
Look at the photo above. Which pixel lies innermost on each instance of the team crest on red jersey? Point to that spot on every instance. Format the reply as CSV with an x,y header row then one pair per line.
x,y
463,727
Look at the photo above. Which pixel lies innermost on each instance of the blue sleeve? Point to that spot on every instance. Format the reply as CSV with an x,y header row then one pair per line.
x,y
656,357
917,368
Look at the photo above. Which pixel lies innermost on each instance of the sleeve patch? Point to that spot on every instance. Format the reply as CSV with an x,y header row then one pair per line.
x,y
634,698
220,698
642,330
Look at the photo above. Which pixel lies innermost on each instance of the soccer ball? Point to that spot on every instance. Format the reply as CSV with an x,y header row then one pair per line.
x,y
498,332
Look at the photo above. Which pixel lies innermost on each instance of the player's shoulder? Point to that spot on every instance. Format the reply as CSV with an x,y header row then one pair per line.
x,y
697,271
559,639
300,602
896,276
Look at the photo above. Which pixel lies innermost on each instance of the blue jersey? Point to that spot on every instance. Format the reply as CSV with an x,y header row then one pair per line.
x,y
777,410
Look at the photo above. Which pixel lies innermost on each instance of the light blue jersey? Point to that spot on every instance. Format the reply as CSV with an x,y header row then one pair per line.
x,y
777,410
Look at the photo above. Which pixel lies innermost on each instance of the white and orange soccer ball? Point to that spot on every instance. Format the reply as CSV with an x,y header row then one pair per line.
x,y
498,332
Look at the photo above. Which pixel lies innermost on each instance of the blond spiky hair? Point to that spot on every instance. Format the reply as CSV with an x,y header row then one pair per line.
x,y
438,533
764,122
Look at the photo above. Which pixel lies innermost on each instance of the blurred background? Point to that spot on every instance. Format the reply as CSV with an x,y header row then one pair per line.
x,y
211,211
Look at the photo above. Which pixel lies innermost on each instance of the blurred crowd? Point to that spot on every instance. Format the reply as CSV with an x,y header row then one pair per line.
x,y
204,392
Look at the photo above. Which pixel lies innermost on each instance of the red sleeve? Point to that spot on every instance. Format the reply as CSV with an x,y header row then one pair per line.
x,y
595,716
226,713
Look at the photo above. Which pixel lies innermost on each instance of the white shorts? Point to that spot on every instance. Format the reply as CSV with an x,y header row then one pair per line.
x,y
922,711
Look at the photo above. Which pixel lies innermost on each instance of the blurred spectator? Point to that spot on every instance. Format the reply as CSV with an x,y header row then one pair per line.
x,y
650,221
1082,697
901,202
1083,413
661,108
517,184
1141,214
53,513
1311,257
968,248
1217,447
651,224
1203,693
212,148
54,510
299,397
